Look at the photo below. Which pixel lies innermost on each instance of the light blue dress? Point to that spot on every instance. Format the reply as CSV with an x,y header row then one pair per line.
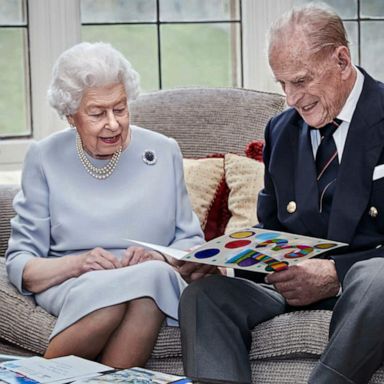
x,y
62,210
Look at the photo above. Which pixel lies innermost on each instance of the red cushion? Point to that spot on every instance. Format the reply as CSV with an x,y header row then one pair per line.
x,y
254,150
219,213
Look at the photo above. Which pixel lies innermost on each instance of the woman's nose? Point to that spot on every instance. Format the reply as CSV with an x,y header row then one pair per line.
x,y
112,121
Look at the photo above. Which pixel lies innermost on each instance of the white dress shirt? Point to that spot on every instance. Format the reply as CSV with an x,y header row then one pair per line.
x,y
345,115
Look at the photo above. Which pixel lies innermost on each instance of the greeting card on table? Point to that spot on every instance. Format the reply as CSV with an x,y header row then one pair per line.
x,y
136,376
254,249
39,370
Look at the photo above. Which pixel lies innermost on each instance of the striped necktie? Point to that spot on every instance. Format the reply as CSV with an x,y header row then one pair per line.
x,y
327,166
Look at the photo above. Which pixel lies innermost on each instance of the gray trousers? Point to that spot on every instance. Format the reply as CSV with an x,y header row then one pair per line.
x,y
218,313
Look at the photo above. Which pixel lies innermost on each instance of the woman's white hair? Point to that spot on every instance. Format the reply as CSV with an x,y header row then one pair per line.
x,y
87,65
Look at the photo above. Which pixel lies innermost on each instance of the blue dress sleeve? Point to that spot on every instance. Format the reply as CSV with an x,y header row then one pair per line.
x,y
30,228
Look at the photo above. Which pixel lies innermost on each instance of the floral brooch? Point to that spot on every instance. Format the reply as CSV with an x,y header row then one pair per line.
x,y
149,157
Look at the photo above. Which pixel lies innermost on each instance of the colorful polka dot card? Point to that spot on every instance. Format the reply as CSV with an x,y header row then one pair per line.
x,y
260,250
254,249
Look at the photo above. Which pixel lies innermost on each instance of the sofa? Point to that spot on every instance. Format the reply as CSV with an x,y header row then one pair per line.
x,y
220,132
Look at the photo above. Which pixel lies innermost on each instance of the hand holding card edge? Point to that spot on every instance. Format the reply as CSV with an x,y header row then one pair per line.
x,y
168,251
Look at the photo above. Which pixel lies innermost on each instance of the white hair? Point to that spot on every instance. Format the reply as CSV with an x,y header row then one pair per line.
x,y
321,25
87,65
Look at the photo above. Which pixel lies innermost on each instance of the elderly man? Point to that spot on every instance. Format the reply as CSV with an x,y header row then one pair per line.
x,y
324,177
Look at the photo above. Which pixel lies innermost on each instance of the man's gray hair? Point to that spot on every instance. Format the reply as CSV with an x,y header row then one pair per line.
x,y
87,65
320,24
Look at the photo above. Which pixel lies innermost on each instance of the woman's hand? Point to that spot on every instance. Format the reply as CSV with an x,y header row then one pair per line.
x,y
41,273
191,271
97,259
194,271
136,255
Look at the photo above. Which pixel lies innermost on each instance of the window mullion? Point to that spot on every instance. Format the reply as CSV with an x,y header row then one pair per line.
x,y
54,25
257,17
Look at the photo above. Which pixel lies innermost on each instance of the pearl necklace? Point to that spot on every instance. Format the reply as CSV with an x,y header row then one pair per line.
x,y
97,173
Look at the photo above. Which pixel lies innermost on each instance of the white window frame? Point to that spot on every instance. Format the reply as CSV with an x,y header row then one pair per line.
x,y
257,74
55,25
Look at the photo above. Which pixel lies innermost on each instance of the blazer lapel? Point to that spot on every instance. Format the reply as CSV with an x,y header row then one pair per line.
x,y
362,149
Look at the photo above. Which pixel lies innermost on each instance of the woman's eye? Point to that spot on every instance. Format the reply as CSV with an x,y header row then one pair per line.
x,y
97,114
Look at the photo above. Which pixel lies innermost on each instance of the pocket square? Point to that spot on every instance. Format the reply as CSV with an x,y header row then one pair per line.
x,y
378,172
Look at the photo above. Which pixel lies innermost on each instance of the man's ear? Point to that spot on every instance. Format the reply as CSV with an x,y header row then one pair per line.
x,y
343,58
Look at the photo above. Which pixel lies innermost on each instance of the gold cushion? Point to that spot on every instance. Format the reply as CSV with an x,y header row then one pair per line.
x,y
203,177
244,177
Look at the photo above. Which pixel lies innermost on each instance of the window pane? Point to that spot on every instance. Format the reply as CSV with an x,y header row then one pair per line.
x,y
112,11
351,27
137,42
372,34
204,54
372,8
12,12
346,9
198,10
14,99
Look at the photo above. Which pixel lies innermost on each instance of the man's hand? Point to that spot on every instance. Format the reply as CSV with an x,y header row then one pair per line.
x,y
136,255
307,282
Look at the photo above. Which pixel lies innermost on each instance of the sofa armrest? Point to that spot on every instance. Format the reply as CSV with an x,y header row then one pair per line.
x,y
7,193
22,322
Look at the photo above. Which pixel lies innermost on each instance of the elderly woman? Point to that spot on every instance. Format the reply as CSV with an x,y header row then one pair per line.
x,y
85,191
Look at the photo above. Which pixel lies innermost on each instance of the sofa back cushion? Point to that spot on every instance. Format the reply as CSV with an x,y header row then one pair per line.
x,y
207,120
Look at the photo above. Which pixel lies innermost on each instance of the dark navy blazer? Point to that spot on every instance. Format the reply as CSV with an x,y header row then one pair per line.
x,y
290,176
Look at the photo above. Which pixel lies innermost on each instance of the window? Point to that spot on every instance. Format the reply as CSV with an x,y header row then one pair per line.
x,y
171,43
42,28
14,78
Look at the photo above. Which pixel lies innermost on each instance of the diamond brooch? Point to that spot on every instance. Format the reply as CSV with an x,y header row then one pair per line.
x,y
149,157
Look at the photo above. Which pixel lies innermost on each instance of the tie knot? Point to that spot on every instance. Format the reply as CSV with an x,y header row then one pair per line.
x,y
329,129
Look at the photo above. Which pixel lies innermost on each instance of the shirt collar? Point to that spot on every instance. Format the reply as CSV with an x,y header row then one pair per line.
x,y
349,107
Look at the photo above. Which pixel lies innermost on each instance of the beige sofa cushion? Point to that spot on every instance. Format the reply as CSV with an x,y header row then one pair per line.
x,y
203,178
244,177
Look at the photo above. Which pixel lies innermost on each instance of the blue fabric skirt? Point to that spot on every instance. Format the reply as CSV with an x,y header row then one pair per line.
x,y
77,297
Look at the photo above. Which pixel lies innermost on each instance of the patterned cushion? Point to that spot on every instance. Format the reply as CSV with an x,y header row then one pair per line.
x,y
244,177
219,214
203,178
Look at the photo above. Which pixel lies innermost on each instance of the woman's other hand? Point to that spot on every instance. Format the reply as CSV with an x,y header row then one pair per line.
x,y
42,273
194,271
97,259
136,255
